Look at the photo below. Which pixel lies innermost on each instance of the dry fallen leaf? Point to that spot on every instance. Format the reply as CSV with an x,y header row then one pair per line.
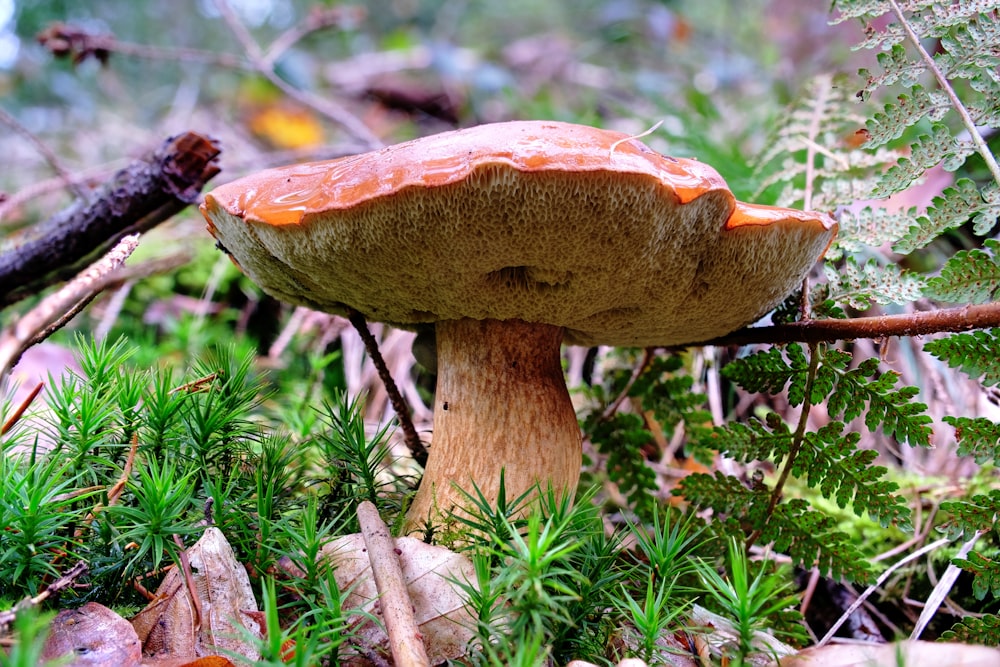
x,y
92,636
909,653
168,627
442,618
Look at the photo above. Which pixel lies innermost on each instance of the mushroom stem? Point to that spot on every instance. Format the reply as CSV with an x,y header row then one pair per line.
x,y
501,404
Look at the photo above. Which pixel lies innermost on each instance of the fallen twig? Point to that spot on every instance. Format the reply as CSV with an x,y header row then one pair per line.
x,y
405,639
137,198
63,582
16,415
59,307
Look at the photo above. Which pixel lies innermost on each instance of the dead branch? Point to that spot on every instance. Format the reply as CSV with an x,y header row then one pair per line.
x,y
137,198
405,639
943,320
322,105
55,310
63,582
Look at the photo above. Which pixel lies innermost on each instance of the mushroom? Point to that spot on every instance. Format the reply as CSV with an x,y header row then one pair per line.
x,y
511,239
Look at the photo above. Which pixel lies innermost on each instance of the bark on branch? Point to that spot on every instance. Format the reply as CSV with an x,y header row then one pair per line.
x,y
943,320
137,198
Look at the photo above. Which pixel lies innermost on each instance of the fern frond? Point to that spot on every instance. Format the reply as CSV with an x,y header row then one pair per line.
x,y
984,631
977,437
976,353
813,139
952,209
935,20
622,438
985,571
870,228
770,370
668,395
968,35
859,9
861,286
985,111
894,409
969,49
896,68
808,537
970,276
890,123
752,441
831,460
929,150
971,515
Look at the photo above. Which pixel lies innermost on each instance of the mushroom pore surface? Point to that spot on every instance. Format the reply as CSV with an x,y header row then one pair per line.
x,y
580,228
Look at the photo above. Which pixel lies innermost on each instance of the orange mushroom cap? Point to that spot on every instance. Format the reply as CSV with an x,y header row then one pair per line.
x,y
540,221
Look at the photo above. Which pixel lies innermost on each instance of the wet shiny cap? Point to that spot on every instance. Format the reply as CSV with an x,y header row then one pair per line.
x,y
543,221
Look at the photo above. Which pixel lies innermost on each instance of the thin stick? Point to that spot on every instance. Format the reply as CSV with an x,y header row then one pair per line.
x,y
413,443
59,306
29,399
962,318
943,587
63,582
874,587
405,639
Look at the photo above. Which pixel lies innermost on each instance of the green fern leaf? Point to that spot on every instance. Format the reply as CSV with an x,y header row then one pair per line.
x,y
896,68
909,109
985,571
985,111
752,441
976,353
859,9
954,208
669,396
809,537
862,286
928,151
830,459
870,228
969,50
971,515
892,409
977,437
984,631
970,276
769,371
622,439
810,142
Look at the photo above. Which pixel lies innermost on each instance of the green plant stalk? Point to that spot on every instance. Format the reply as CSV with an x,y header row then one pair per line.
x,y
956,103
797,439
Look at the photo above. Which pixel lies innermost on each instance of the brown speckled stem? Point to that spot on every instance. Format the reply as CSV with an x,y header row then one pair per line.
x,y
501,404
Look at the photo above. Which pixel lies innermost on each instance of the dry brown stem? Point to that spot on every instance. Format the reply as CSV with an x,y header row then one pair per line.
x,y
413,443
63,582
405,639
922,323
59,307
265,68
16,415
